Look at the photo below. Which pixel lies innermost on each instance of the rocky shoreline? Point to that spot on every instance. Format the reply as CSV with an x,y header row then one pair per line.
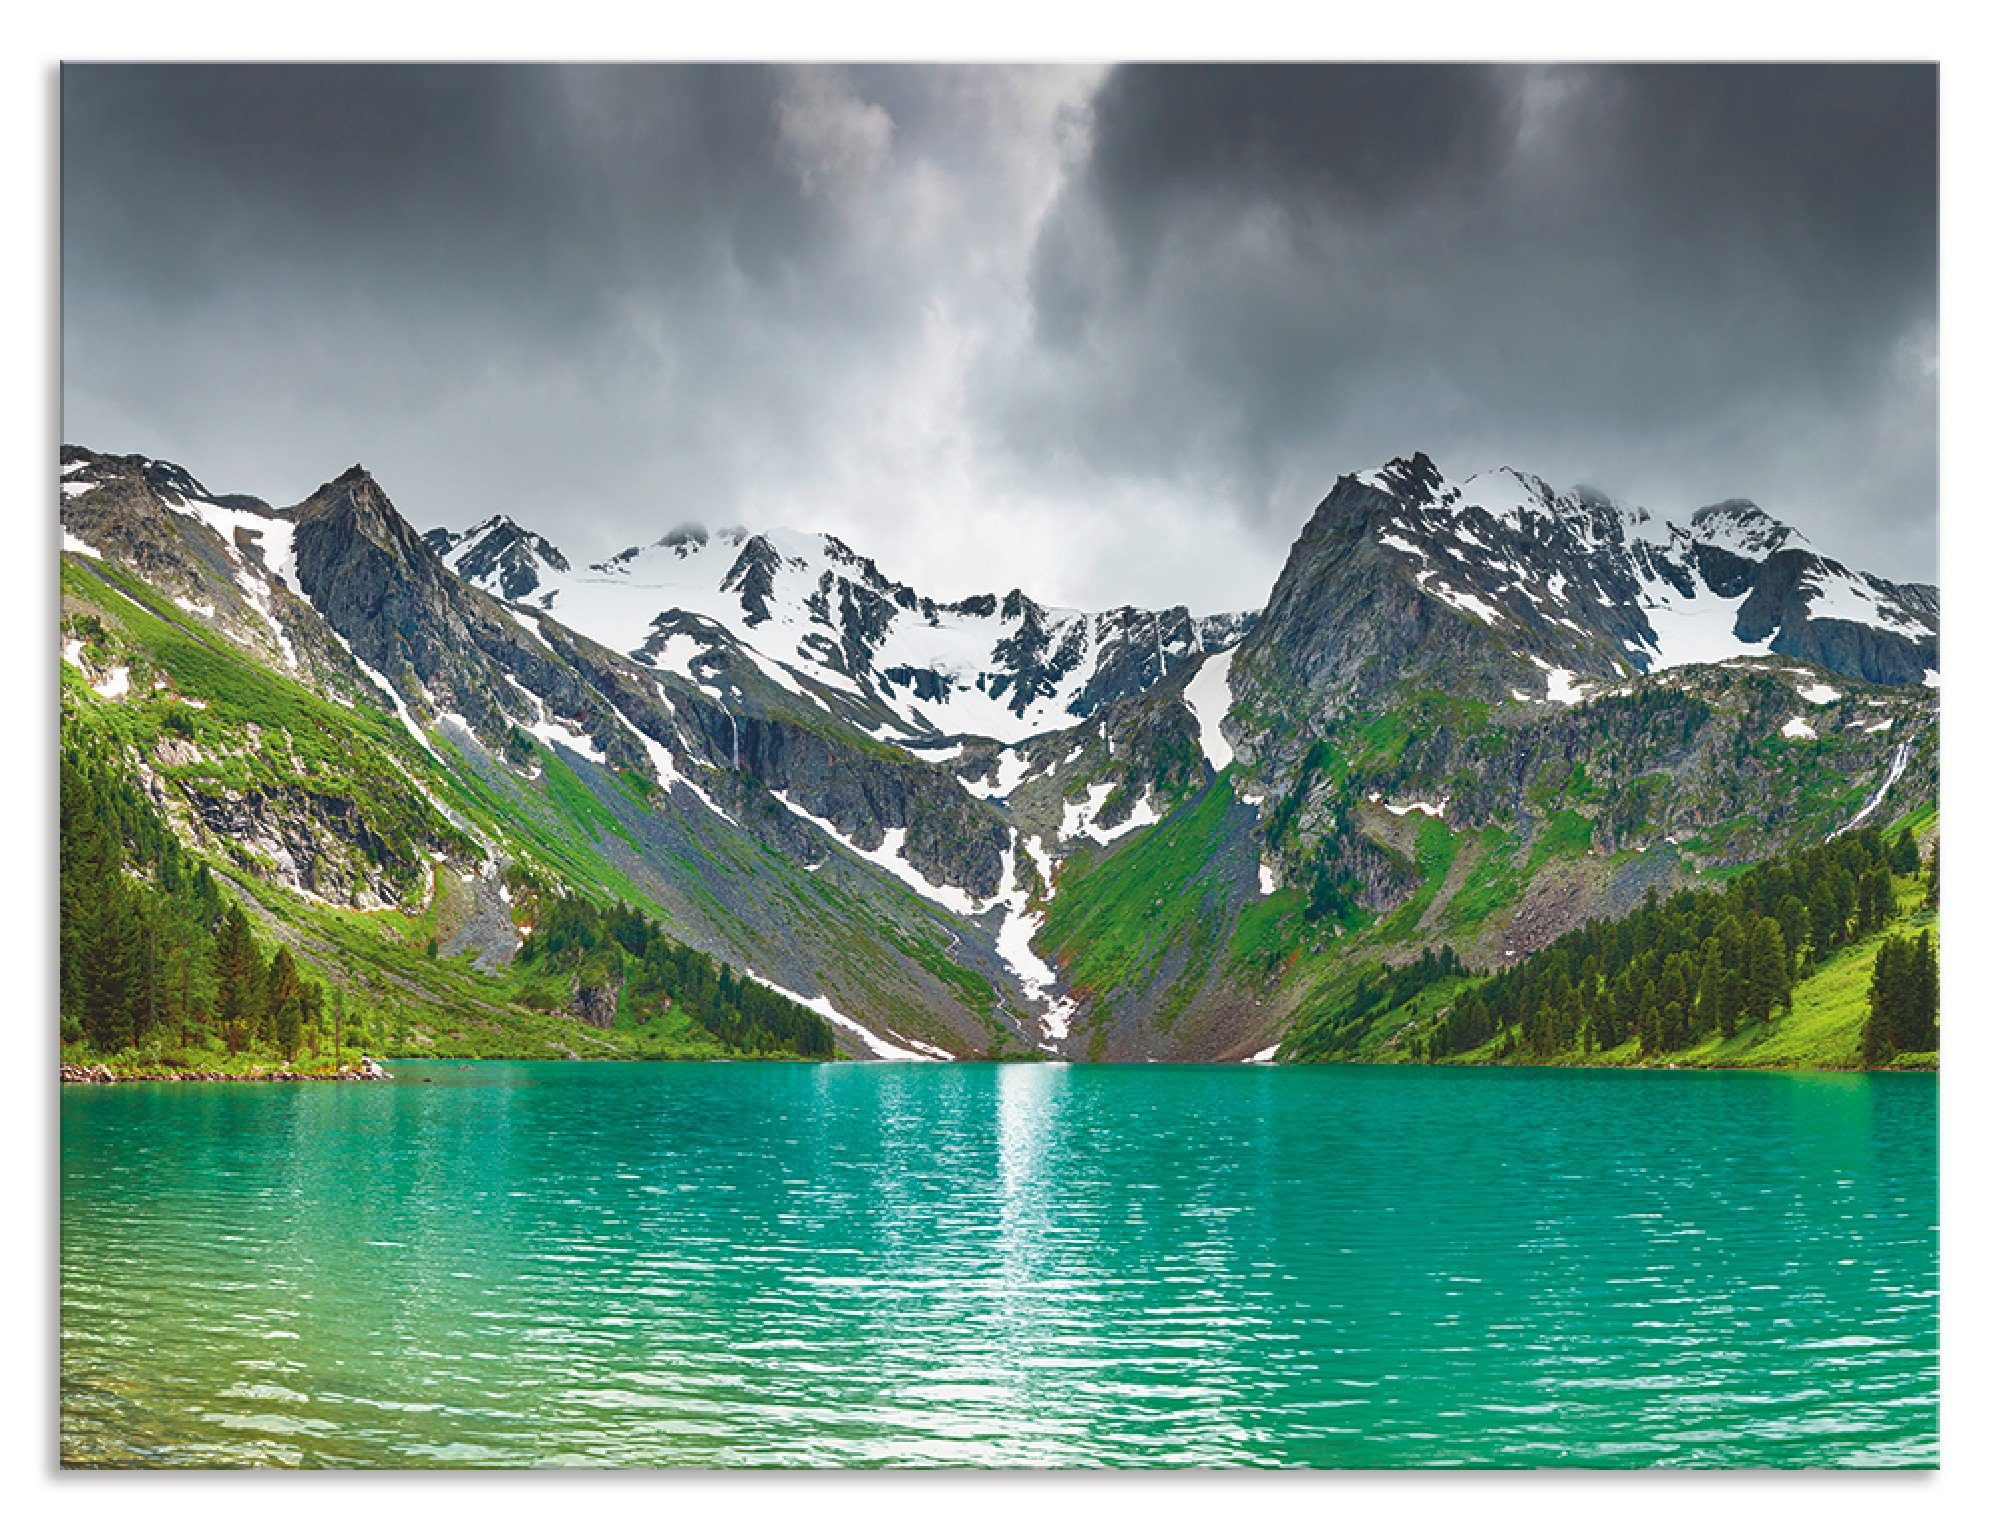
x,y
366,1071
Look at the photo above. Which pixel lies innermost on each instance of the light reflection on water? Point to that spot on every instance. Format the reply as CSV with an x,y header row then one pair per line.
x,y
1002,1265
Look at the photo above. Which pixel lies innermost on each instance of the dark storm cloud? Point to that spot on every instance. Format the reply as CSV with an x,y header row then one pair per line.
x,y
474,274
1102,335
371,240
1363,142
1681,283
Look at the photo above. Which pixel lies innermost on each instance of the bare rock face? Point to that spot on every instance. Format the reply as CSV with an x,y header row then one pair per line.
x,y
1487,588
500,556
447,648
316,843
1791,586
596,1004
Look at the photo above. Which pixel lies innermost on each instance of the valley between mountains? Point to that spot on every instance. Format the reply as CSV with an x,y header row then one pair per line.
x,y
739,793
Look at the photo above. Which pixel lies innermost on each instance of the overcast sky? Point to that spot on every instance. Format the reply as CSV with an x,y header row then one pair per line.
x,y
1105,335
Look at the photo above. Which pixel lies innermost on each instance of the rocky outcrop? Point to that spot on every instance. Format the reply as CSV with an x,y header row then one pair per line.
x,y
595,1004
447,647
314,842
501,556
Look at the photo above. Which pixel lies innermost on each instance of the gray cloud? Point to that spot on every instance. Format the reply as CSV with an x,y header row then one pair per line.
x,y
1681,284
1104,336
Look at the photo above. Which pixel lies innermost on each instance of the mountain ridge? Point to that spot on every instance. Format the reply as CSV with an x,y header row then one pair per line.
x,y
1139,836
1001,666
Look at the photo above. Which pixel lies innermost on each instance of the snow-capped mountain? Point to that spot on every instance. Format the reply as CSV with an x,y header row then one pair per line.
x,y
1578,700
1505,593
500,557
1732,582
814,610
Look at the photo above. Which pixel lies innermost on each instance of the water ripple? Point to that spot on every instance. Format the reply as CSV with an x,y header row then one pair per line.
x,y
576,1264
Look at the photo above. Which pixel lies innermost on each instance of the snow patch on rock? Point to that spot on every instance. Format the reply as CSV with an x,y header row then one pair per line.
x,y
889,857
1562,684
1208,696
381,682
1008,772
882,1048
551,730
1016,945
1433,809
1079,818
273,537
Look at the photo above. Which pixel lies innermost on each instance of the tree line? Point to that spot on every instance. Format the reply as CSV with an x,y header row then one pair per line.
x,y
621,951
1704,962
1902,1000
1340,1028
151,952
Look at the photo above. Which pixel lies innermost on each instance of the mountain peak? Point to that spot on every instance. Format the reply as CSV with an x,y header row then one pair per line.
x,y
500,555
1414,478
1741,527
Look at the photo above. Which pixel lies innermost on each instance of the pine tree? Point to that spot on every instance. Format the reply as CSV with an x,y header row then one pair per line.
x,y
284,1003
1905,859
1843,904
1712,990
1730,1002
1673,1006
112,978
1918,1019
1796,924
1766,982
1888,994
149,972
188,972
238,980
1826,931
91,862
1876,900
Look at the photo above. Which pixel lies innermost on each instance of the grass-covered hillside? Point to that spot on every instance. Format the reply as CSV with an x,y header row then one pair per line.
x,y
1778,967
256,878
1260,907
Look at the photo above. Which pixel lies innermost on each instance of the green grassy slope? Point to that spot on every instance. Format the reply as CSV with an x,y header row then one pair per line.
x,y
206,723
1821,1030
1590,835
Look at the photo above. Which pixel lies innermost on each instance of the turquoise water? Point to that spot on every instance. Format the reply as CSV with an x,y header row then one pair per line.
x,y
911,1265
